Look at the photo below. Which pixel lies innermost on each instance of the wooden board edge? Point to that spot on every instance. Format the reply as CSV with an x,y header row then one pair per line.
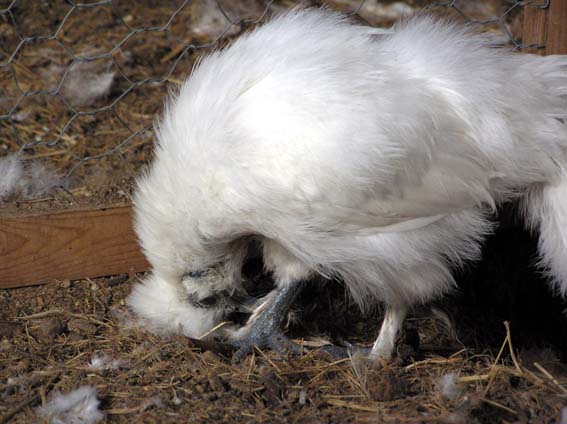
x,y
68,245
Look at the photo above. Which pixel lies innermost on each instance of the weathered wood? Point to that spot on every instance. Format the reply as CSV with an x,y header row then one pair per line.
x,y
546,27
534,28
556,42
67,245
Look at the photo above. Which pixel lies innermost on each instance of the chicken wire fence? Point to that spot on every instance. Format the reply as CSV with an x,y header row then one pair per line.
x,y
81,83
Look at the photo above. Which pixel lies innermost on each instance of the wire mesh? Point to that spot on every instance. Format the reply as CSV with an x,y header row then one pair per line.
x,y
81,83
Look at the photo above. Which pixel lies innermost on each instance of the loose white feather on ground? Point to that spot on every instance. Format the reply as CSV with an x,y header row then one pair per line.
x,y
28,181
77,407
11,172
105,362
371,157
83,82
448,386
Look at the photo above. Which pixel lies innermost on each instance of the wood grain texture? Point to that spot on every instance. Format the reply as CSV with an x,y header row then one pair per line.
x,y
67,245
557,27
534,29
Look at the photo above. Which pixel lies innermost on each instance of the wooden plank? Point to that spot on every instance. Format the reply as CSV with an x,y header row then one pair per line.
x,y
534,28
67,245
557,27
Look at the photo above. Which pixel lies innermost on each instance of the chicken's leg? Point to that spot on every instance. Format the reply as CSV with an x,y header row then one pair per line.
x,y
385,343
264,327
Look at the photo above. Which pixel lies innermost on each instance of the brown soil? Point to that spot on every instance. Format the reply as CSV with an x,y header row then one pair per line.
x,y
49,334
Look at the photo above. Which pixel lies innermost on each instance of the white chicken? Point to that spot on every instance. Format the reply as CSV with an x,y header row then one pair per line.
x,y
371,156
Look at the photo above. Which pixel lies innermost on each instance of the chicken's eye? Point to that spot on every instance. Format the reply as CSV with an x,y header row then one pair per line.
x,y
208,301
194,274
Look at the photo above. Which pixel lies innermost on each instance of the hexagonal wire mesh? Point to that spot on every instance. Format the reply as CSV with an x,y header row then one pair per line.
x,y
81,83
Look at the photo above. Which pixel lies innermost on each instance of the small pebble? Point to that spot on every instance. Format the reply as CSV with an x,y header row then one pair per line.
x,y
22,365
9,328
81,326
210,356
302,397
45,330
119,279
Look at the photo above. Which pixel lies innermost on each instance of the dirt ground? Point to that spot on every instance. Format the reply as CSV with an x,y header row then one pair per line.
x,y
464,369
49,335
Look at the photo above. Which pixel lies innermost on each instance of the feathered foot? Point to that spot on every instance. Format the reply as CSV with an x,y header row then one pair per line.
x,y
264,328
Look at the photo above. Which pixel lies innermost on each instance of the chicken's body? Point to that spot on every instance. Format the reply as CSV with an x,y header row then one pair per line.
x,y
371,156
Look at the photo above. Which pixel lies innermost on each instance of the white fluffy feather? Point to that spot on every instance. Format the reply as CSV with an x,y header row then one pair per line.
x,y
373,157
77,407
28,181
161,305
448,385
11,175
105,362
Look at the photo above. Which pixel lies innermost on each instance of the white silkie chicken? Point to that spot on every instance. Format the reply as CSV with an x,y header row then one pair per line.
x,y
371,156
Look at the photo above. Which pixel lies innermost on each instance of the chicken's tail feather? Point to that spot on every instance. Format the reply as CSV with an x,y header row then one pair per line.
x,y
546,210
546,203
